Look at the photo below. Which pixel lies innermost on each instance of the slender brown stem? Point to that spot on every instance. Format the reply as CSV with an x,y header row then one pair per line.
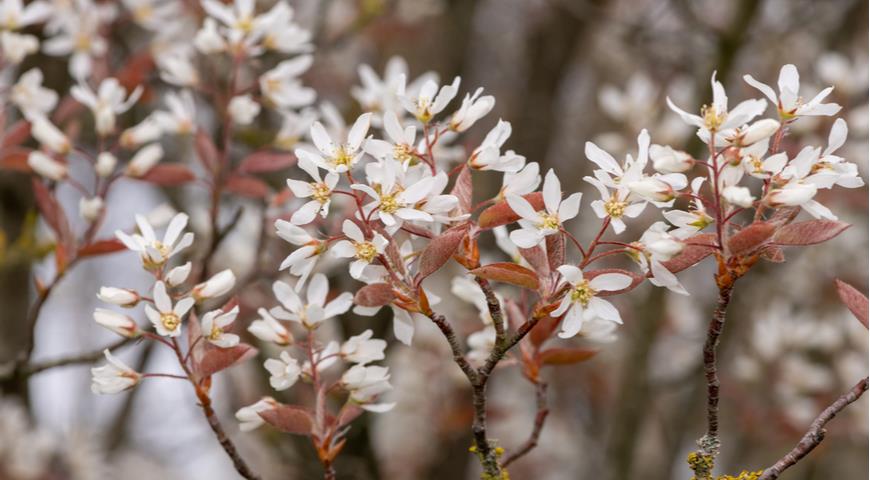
x,y
88,357
709,443
494,307
540,418
816,433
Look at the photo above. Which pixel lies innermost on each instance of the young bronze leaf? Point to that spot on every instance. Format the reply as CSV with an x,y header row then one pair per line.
x,y
854,300
101,247
439,250
502,214
565,356
214,359
17,134
537,258
168,175
697,248
462,190
289,418
206,152
810,232
374,295
246,186
506,272
750,238
556,250
265,162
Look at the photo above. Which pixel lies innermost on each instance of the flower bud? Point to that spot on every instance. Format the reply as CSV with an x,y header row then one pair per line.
x,y
738,196
17,46
268,329
791,195
178,275
91,208
758,131
118,296
146,131
106,163
243,109
652,189
145,159
116,322
46,166
50,136
215,286
667,160
472,110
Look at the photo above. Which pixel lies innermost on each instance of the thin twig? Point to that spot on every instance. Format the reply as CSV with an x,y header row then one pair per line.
x,y
88,357
709,443
540,418
816,433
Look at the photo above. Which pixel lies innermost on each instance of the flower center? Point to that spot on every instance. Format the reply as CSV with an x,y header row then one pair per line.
x,y
713,119
702,220
245,24
321,192
424,114
365,251
614,208
170,321
342,157
582,293
83,42
402,153
216,333
389,203
549,221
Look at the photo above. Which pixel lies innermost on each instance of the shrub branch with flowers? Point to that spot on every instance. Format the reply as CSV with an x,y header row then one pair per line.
x,y
392,197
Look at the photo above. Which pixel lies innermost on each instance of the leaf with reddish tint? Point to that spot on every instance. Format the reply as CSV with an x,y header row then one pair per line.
x,y
55,217
416,230
206,152
556,250
772,253
136,71
348,413
101,247
265,162
374,295
214,359
565,356
506,272
289,418
544,329
439,251
502,214
854,300
246,186
168,175
697,248
636,279
810,232
537,258
15,159
462,190
750,238
16,134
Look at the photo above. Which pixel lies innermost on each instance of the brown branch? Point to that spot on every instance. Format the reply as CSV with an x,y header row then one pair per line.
x,y
88,357
816,433
709,443
540,418
494,307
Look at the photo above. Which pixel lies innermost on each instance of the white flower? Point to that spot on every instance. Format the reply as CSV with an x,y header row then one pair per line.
x,y
429,101
537,225
106,103
47,166
365,384
208,39
14,15
394,202
320,191
302,260
214,324
166,318
105,165
658,245
323,358
277,31
284,372
177,69
615,205
738,196
466,289
249,417
113,377
79,37
480,344
219,284
294,125
148,130
521,182
667,160
581,302
178,275
690,222
758,131
117,322
362,349
243,109
31,97
181,117
153,14
797,193
144,160
282,87
270,330
339,157
830,169
401,149
315,310
118,296
49,136
790,104
382,95
488,155
474,107
356,246
155,252
90,209
16,46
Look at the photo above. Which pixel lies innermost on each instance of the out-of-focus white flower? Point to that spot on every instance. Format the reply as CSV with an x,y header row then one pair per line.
x,y
153,14
284,372
362,348
214,324
249,417
144,160
738,196
430,100
117,322
315,310
79,36
91,208
208,39
47,166
797,193
179,274
394,202
474,107
320,192
105,165
667,160
356,246
106,103
118,296
488,155
282,87
243,109
537,225
167,318
521,182
155,252
177,69
219,284
581,303
31,97
337,157
113,377
790,104
365,384
148,130
277,31
268,329
302,260
181,117
16,46
382,95
466,289
49,136
293,127
15,15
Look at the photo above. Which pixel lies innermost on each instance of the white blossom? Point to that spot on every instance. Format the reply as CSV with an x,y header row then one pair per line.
x,y
117,322
113,377
356,246
315,309
537,225
214,325
167,318
789,103
582,303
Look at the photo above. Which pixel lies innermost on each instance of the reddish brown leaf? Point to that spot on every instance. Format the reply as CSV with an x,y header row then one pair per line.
x,y
565,356
750,238
537,258
136,71
507,272
543,330
374,295
502,214
772,253
810,232
168,175
636,279
214,359
16,134
265,161
556,250
697,248
206,152
439,250
55,217
289,418
348,413
854,300
15,159
101,247
462,190
246,186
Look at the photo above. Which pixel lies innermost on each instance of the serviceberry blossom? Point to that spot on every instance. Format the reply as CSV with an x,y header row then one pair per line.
x,y
119,296
117,322
362,349
488,155
153,252
789,103
315,310
338,157
356,246
113,377
582,303
31,97
366,384
217,285
249,417
214,325
165,317
302,260
535,225
319,191
268,329
106,103
429,101
284,372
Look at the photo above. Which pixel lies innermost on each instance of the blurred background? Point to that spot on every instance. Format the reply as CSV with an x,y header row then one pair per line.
x,y
563,72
